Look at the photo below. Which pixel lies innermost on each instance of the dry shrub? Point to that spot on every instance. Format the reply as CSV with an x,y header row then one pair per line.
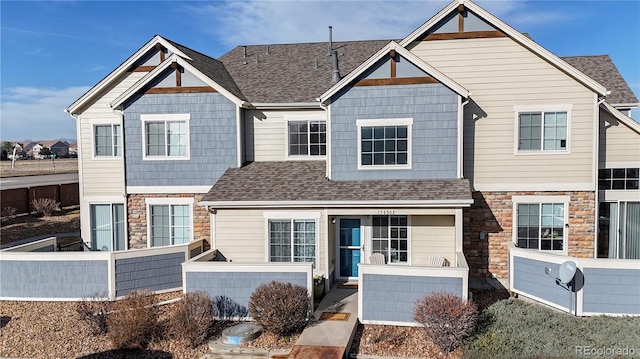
x,y
133,321
8,214
94,311
281,308
446,319
46,206
193,318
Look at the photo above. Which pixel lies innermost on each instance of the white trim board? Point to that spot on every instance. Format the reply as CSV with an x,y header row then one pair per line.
x,y
167,189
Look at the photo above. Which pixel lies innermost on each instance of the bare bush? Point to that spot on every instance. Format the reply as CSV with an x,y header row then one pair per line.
x,y
446,319
8,213
193,318
93,311
133,321
281,308
46,206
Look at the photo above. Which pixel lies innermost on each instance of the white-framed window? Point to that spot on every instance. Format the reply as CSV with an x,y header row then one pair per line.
x,y
384,143
169,221
391,238
619,178
107,140
165,136
107,226
542,129
292,236
306,138
619,230
540,222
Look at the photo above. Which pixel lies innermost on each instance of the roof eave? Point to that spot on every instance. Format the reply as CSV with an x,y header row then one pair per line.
x,y
628,121
456,203
626,105
89,95
285,105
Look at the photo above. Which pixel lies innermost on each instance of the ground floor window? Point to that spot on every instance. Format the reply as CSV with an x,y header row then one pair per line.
x,y
619,230
292,240
170,224
541,226
107,227
391,238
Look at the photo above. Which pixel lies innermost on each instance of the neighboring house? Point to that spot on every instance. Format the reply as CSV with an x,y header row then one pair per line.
x,y
57,147
73,149
34,150
456,141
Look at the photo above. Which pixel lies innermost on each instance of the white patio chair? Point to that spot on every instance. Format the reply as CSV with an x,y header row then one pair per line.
x,y
377,258
437,261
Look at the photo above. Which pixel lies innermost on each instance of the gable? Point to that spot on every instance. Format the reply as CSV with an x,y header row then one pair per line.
x,y
141,60
461,24
385,68
176,79
393,57
426,32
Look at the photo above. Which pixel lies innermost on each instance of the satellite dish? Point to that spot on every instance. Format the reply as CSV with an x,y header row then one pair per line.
x,y
567,271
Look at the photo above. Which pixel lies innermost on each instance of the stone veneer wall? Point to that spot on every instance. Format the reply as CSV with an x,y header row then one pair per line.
x,y
492,212
137,217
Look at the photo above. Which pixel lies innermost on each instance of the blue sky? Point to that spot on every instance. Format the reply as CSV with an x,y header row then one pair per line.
x,y
53,51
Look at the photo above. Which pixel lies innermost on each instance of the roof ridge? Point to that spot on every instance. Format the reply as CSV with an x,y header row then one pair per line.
x,y
314,43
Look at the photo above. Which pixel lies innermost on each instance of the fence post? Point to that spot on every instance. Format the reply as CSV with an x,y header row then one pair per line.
x,y
30,199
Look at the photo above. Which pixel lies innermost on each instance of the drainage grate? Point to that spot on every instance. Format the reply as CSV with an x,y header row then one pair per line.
x,y
334,316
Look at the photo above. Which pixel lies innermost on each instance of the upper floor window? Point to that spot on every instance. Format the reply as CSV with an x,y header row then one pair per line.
x,y
384,143
169,221
540,223
166,136
542,131
307,138
107,140
619,178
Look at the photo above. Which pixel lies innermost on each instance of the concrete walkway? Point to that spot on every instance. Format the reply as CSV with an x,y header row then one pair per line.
x,y
329,333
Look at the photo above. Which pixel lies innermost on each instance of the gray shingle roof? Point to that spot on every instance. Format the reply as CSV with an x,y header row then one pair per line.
x,y
211,68
306,181
290,73
604,71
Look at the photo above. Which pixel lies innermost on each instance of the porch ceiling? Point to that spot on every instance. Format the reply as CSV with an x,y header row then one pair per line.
x,y
304,182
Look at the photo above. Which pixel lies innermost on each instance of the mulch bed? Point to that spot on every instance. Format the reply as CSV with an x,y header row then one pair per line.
x,y
19,227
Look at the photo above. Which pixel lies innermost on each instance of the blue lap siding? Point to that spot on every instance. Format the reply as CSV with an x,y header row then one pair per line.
x,y
391,298
212,139
434,110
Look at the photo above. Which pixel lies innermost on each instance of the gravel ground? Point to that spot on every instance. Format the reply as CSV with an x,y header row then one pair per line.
x,y
53,330
24,226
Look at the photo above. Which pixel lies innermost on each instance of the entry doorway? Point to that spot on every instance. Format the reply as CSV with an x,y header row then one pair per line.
x,y
350,247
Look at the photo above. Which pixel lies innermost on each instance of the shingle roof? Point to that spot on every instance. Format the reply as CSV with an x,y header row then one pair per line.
x,y
306,181
289,73
212,68
604,71
292,73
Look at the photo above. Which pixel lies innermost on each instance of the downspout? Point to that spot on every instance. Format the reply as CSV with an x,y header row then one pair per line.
x,y
596,161
327,108
461,105
125,194
80,179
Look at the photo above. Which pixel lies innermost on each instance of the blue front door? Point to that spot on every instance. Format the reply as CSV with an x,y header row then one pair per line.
x,y
350,247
